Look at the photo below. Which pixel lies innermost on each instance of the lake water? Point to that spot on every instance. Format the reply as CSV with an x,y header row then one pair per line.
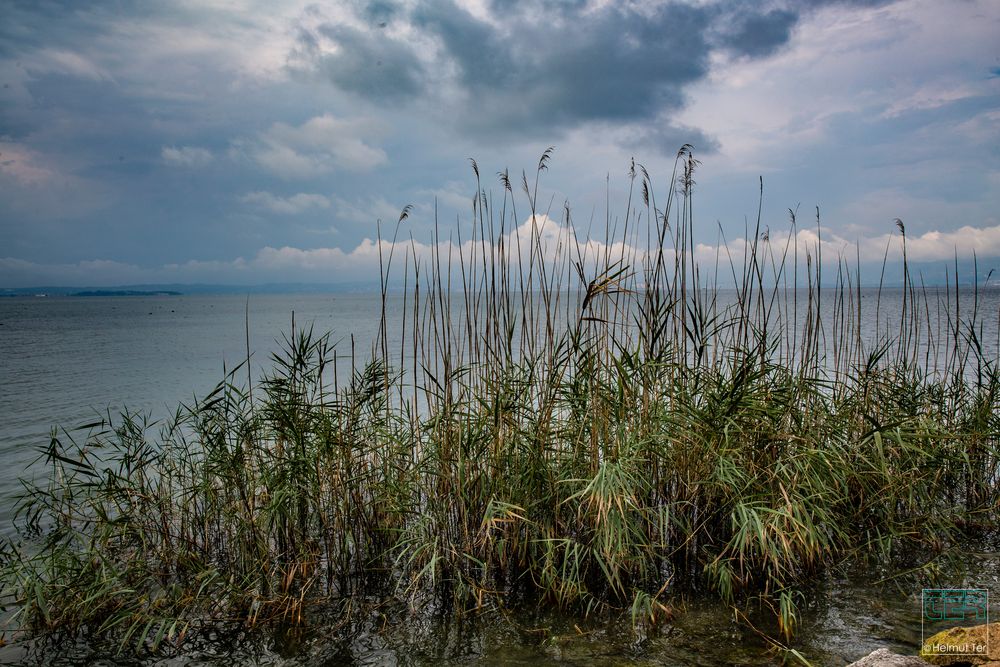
x,y
70,360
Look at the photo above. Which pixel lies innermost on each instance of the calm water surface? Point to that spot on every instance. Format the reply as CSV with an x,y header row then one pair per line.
x,y
65,361
69,360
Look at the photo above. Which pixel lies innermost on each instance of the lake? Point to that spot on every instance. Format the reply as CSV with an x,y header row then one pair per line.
x,y
69,360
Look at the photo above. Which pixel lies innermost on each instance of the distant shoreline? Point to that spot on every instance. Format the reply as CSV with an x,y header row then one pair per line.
x,y
360,287
185,289
126,293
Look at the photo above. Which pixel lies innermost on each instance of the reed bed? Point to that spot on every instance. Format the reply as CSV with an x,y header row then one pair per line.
x,y
559,421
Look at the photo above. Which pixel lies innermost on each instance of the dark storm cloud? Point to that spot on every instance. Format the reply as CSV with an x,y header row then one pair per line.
x,y
40,23
742,27
368,64
538,65
503,7
380,12
365,60
757,35
484,57
815,4
667,138
568,66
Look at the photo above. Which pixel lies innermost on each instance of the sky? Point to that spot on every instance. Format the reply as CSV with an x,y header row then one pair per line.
x,y
261,141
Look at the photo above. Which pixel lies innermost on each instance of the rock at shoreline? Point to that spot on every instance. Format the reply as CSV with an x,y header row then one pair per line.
x,y
886,658
964,646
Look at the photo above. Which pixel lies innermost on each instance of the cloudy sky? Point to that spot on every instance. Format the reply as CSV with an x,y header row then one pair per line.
x,y
254,141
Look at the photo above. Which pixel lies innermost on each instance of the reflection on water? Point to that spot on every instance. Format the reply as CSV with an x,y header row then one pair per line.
x,y
844,617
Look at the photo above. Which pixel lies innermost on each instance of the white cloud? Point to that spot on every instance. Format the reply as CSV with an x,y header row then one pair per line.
x,y
555,242
367,212
931,96
287,163
61,61
362,262
455,196
318,146
25,166
201,35
39,185
186,156
983,127
874,62
286,205
964,241
932,246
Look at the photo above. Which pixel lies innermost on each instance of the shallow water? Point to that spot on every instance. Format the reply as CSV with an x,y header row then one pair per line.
x,y
844,617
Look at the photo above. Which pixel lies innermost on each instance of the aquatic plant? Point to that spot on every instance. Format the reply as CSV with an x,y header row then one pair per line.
x,y
594,424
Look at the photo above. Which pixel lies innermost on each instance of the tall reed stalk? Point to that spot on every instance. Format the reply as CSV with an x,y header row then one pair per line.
x,y
594,424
